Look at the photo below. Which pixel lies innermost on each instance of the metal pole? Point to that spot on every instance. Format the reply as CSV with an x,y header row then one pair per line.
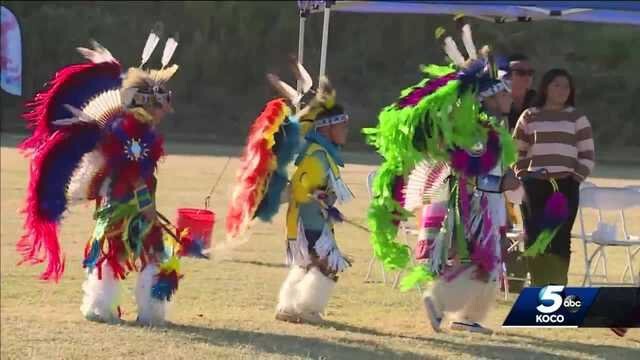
x,y
303,20
325,39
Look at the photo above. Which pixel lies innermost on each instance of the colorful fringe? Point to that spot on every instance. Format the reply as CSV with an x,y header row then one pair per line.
x,y
190,246
119,239
556,213
484,250
52,166
167,280
287,143
258,162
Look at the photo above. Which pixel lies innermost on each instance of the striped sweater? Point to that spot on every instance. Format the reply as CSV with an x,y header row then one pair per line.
x,y
559,141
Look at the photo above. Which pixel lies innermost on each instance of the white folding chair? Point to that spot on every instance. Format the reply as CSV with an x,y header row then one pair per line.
x,y
407,232
405,229
611,199
515,240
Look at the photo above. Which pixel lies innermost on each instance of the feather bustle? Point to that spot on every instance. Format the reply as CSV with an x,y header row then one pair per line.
x,y
256,163
40,112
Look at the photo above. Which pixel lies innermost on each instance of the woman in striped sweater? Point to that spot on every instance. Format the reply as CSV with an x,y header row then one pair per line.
x,y
554,142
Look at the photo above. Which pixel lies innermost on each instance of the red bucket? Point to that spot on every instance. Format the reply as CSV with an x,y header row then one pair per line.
x,y
199,222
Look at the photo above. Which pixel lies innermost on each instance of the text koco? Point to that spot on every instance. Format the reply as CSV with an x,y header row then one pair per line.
x,y
545,319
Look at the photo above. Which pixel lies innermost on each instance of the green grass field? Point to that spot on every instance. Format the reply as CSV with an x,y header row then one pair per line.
x,y
225,307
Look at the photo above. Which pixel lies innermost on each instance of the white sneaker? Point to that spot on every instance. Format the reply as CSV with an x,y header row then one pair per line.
x,y
471,327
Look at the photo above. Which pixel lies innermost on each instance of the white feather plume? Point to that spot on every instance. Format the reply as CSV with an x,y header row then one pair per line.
x,y
149,46
451,49
98,55
102,295
307,82
284,89
467,39
169,50
90,165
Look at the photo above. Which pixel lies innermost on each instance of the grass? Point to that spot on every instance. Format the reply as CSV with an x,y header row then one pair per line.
x,y
224,308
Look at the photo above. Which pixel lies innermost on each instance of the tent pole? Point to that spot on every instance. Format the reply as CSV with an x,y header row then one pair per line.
x,y
325,39
303,20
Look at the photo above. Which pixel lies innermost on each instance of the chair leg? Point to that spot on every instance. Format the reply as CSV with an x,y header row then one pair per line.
x,y
632,258
396,280
505,281
598,260
587,268
629,267
604,264
370,269
588,263
384,274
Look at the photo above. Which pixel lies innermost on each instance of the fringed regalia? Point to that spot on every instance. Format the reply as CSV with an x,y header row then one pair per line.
x,y
94,139
276,139
441,122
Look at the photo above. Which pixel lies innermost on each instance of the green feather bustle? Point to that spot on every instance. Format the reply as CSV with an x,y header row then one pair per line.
x,y
405,136
418,275
542,241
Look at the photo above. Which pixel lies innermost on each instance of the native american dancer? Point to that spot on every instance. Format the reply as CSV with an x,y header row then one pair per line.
x,y
450,121
312,137
95,139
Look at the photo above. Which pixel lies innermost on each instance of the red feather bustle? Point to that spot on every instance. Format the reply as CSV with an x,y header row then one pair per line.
x,y
39,117
41,233
256,165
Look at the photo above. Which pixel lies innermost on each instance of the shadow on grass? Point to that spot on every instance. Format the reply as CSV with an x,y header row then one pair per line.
x,y
500,349
605,351
259,263
288,345
499,346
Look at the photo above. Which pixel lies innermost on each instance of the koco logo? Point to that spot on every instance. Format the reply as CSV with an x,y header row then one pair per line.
x,y
550,300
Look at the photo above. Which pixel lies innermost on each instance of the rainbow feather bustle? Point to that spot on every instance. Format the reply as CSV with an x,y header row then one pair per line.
x,y
260,160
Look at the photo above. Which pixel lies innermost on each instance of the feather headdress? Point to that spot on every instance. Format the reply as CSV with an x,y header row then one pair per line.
x,y
310,101
148,87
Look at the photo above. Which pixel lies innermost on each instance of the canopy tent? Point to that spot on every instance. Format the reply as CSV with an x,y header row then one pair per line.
x,y
609,12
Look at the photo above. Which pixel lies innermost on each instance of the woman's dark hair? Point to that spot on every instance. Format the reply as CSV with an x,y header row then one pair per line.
x,y
548,77
517,57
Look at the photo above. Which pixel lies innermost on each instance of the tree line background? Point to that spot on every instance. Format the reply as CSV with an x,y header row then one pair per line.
x,y
226,48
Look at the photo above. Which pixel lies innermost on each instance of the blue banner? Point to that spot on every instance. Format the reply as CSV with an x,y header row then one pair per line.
x,y
10,53
560,306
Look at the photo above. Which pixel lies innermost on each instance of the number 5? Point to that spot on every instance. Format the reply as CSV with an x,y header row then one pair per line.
x,y
550,293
